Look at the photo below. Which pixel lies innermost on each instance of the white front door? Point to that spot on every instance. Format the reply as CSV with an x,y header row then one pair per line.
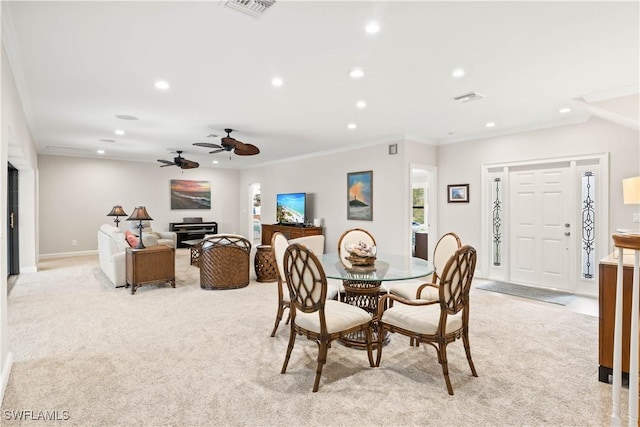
x,y
541,211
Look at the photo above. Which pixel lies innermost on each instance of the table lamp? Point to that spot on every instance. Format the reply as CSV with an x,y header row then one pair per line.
x,y
631,195
140,214
117,211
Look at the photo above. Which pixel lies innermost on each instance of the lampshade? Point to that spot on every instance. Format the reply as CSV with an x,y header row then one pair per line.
x,y
117,211
631,190
140,214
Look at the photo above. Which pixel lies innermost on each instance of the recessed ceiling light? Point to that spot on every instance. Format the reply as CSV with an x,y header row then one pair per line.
x,y
564,110
356,73
107,140
119,132
100,151
162,85
458,73
276,82
126,117
352,126
361,104
490,124
215,162
372,27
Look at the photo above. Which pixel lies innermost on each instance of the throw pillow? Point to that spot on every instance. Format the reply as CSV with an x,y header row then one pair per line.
x,y
132,239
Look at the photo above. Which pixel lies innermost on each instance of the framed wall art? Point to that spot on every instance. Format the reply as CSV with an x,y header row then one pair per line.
x,y
360,195
458,193
187,194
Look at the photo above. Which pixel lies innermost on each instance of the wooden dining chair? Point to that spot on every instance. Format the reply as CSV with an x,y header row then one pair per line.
x,y
313,315
427,288
437,323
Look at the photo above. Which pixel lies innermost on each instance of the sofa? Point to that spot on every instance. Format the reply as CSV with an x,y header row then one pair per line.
x,y
168,238
112,246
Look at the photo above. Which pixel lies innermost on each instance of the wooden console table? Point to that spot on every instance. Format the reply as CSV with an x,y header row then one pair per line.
x,y
290,232
630,241
608,269
192,230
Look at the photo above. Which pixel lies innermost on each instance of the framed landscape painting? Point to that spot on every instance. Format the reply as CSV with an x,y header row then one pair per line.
x,y
187,194
360,195
458,193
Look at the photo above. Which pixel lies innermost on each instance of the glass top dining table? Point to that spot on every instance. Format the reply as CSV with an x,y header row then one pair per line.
x,y
361,285
387,267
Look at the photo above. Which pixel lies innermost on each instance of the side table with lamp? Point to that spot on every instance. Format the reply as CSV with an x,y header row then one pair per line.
x,y
145,266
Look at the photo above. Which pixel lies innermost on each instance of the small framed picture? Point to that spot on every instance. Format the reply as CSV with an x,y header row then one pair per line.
x,y
458,193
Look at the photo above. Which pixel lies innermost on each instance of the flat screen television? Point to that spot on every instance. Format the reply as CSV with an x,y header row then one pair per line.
x,y
290,208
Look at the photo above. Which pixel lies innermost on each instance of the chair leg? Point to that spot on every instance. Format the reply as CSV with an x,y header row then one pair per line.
x,y
292,341
323,348
370,345
279,314
288,318
442,358
381,334
467,349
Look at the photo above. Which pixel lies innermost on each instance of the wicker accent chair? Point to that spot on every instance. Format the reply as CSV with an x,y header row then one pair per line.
x,y
439,322
224,262
279,244
427,289
312,314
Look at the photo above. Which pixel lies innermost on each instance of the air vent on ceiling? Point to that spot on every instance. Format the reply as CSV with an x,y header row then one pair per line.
x,y
468,97
254,8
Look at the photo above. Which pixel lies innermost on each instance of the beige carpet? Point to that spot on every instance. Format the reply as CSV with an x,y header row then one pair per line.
x,y
187,356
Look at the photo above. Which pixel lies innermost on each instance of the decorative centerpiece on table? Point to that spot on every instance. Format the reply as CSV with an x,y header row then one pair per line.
x,y
361,254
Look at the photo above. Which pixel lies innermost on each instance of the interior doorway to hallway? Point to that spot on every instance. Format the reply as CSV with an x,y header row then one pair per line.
x,y
255,224
13,250
423,210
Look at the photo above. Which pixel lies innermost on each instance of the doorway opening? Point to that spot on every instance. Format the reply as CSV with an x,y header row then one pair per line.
x,y
423,209
255,224
13,250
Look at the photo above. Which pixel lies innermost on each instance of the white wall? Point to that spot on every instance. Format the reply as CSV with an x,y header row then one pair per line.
x,y
77,193
461,163
325,178
17,147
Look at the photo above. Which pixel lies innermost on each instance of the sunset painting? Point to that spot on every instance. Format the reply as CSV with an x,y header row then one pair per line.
x,y
360,195
187,194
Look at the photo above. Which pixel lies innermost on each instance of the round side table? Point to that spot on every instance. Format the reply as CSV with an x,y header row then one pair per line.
x,y
265,264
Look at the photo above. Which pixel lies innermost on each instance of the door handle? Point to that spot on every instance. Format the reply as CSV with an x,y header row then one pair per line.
x,y
11,220
567,233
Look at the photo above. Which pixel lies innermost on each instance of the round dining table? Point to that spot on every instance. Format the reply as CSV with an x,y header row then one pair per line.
x,y
362,284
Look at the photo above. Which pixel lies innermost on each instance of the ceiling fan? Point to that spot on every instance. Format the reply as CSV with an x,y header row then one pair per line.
x,y
228,144
180,162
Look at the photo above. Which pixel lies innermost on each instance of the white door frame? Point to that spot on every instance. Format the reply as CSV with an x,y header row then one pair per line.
x,y
491,170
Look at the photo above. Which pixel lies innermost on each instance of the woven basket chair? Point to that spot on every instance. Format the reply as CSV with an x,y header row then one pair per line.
x,y
224,262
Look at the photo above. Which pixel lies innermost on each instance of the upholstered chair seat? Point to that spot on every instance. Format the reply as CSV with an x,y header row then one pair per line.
x,y
339,317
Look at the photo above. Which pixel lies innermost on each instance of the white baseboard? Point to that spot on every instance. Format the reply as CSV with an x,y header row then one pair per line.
x,y
6,372
68,254
32,269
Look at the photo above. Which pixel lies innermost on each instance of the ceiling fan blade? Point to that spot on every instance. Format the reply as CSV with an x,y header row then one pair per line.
x,y
206,144
166,163
217,151
247,150
188,164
